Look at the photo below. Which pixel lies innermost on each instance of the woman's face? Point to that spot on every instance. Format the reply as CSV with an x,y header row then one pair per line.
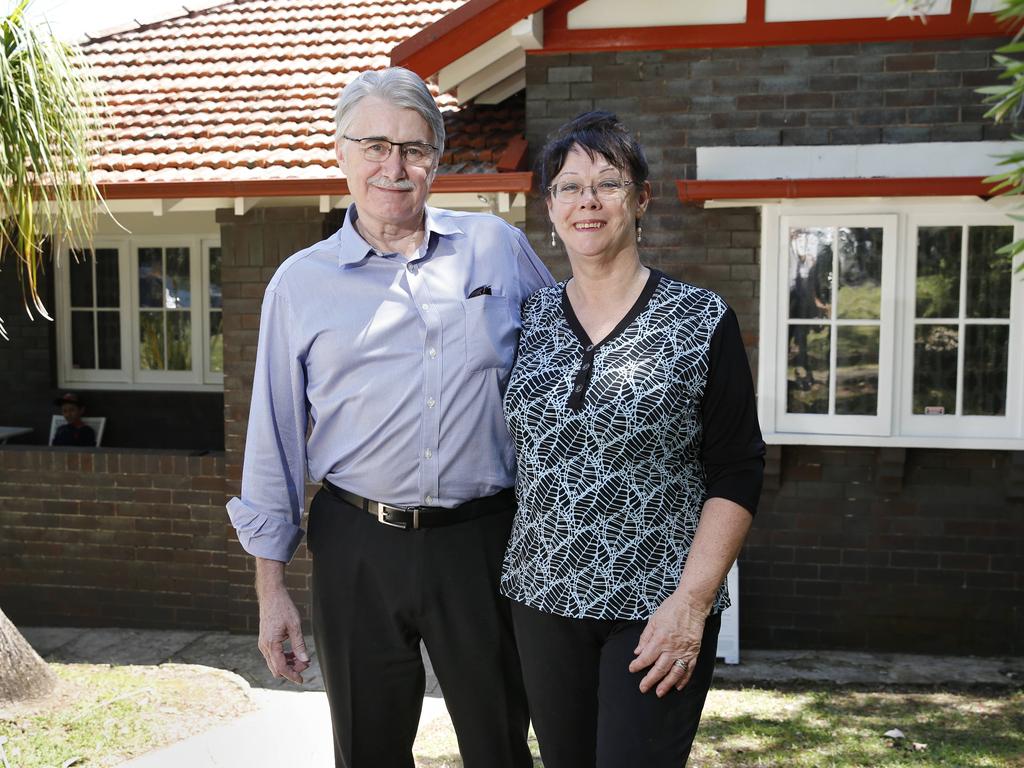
x,y
596,225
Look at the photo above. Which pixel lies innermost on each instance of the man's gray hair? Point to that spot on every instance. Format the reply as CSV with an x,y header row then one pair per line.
x,y
396,86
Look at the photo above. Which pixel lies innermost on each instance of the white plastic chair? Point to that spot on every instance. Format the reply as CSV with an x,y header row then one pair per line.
x,y
96,422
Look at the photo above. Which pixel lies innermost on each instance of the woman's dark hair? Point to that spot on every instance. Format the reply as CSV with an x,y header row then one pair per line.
x,y
597,133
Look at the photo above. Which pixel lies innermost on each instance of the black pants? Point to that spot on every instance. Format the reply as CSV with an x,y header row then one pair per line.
x,y
586,705
377,591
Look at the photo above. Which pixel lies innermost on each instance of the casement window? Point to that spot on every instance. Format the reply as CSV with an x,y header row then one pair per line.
x,y
141,313
898,323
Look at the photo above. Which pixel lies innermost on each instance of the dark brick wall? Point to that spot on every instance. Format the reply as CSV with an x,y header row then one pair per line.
x,y
916,550
104,537
888,549
253,246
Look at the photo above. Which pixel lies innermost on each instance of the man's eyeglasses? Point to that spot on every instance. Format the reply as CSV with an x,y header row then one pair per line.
x,y
572,191
413,152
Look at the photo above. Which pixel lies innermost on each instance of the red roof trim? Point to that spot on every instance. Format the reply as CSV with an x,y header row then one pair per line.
x,y
754,189
459,32
514,156
476,22
959,22
171,190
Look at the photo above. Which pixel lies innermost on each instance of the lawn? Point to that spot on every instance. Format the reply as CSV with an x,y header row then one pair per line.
x,y
104,715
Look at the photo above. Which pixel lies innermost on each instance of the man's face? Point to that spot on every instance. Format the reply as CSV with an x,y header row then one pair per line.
x,y
389,193
72,412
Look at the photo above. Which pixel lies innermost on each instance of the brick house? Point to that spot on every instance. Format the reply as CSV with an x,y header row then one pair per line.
x,y
817,164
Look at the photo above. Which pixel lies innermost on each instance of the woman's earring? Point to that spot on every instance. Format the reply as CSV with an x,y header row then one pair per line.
x,y
639,231
553,242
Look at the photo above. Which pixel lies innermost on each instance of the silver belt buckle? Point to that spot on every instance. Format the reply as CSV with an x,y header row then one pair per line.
x,y
381,511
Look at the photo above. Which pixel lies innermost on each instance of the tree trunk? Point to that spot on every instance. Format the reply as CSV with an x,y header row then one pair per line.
x,y
23,674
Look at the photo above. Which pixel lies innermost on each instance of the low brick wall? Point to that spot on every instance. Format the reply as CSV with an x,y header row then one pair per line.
x,y
112,537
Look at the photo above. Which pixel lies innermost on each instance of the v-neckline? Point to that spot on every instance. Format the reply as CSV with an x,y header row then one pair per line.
x,y
634,311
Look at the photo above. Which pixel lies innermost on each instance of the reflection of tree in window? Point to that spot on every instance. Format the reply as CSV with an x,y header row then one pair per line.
x,y
810,278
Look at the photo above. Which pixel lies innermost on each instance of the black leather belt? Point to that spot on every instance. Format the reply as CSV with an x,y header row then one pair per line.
x,y
411,518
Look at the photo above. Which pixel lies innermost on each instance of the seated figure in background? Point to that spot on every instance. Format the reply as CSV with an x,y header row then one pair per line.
x,y
75,432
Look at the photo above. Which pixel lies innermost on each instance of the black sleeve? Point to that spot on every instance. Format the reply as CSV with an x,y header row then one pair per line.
x,y
62,436
733,451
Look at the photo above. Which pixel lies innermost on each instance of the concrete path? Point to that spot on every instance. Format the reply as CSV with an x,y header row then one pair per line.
x,y
248,741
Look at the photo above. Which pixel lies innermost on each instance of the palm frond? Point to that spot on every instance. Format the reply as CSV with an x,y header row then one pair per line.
x,y
50,114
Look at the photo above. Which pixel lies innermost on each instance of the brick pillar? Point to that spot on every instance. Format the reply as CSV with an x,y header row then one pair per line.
x,y
253,246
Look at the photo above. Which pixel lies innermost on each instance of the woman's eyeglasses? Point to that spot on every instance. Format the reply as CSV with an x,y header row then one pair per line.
x,y
572,191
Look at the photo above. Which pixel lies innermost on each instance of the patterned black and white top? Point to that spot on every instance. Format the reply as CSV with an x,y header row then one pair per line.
x,y
620,443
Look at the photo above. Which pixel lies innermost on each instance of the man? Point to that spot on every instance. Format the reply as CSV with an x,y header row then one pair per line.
x,y
391,343
74,431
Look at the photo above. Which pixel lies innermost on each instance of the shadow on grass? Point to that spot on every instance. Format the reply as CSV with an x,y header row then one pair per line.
x,y
845,728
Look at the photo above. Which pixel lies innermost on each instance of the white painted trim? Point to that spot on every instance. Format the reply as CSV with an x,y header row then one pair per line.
x,y
504,89
524,35
907,430
853,161
881,422
801,10
497,71
951,442
610,14
986,6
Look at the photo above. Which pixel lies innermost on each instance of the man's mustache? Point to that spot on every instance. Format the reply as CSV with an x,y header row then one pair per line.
x,y
383,182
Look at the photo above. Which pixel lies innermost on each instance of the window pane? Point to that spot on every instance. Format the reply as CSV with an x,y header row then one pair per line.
x,y
215,262
860,273
216,342
108,327
108,281
178,294
810,272
83,354
808,372
151,341
151,277
935,350
986,348
938,271
988,272
80,274
179,341
857,370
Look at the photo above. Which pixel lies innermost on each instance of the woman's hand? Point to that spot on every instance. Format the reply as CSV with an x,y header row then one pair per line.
x,y
674,632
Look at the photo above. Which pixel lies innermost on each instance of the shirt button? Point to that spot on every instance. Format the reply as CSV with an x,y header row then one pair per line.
x,y
590,348
429,499
425,307
585,366
431,402
427,453
432,352
578,388
413,269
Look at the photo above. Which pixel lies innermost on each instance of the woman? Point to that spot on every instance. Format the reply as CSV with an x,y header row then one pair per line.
x,y
640,463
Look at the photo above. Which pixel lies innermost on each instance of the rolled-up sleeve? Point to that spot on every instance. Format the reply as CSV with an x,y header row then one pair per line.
x,y
733,449
268,515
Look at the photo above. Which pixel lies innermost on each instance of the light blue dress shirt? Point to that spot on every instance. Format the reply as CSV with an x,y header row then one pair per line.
x,y
382,375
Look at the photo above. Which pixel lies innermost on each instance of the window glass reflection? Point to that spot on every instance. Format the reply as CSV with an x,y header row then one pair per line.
x,y
860,273
857,370
988,272
807,376
986,356
935,353
938,271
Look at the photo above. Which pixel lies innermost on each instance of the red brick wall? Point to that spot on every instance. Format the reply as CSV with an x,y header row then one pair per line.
x,y
253,246
109,537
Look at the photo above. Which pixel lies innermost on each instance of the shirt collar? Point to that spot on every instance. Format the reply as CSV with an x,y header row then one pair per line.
x,y
353,248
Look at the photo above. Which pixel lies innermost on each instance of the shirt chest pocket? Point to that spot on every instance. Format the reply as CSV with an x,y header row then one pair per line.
x,y
490,333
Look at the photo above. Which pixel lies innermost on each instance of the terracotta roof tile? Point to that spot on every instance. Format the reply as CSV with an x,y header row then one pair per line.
x,y
246,90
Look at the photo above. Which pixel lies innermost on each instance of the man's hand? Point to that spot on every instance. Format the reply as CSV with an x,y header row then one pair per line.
x,y
279,622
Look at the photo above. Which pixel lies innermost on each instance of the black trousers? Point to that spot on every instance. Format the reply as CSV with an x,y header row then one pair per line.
x,y
586,705
379,590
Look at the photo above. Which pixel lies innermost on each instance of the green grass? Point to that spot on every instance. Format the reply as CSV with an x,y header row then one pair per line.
x,y
830,728
102,715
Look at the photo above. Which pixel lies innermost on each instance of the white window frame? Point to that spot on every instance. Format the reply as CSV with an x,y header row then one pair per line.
x,y
130,375
899,427
842,424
